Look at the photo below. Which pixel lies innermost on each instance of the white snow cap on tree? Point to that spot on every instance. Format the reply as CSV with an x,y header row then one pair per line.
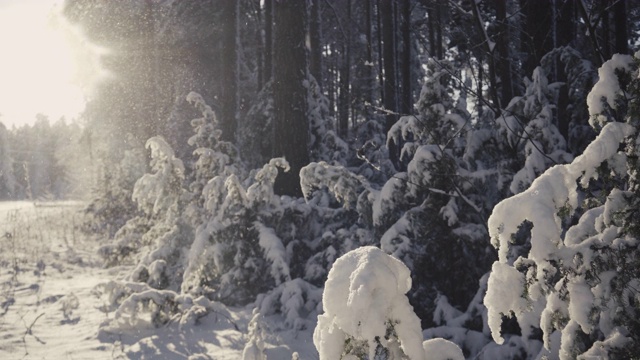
x,y
441,349
364,298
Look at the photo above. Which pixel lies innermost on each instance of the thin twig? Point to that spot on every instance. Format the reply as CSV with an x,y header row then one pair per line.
x,y
29,331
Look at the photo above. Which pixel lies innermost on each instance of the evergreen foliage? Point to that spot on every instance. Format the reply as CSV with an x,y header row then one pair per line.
x,y
577,282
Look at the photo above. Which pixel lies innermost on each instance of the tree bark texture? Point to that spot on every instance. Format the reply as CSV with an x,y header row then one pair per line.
x,y
291,129
229,74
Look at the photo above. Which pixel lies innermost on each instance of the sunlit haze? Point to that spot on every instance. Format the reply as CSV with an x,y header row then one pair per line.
x,y
46,66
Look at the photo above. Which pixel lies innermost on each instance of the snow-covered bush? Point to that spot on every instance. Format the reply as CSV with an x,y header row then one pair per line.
x,y
111,205
344,185
367,314
159,228
226,258
137,308
254,348
296,300
252,241
228,237
577,282
467,329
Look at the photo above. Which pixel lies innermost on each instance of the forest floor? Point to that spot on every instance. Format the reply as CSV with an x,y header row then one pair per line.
x,y
49,308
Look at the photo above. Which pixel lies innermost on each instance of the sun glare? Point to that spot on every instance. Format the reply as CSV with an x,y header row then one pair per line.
x,y
46,66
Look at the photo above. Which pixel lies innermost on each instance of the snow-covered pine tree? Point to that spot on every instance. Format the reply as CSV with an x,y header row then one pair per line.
x,y
432,216
226,259
324,143
162,198
214,158
577,284
531,128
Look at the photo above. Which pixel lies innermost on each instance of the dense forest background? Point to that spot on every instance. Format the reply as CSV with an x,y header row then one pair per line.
x,y
280,135
368,59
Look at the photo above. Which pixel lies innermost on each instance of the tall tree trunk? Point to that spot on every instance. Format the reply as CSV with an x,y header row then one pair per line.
x,y
407,100
389,55
431,28
586,19
229,60
479,91
564,35
565,22
291,128
260,50
315,43
620,21
493,83
268,40
439,26
345,75
380,51
606,29
389,58
502,47
536,33
369,61
332,69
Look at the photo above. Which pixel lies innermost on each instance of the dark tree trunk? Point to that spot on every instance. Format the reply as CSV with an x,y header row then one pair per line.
x,y
389,58
291,127
502,47
260,50
369,61
331,71
380,60
407,100
591,33
620,21
606,29
565,22
439,46
268,40
493,83
389,55
536,36
229,60
431,28
480,92
345,75
315,36
565,34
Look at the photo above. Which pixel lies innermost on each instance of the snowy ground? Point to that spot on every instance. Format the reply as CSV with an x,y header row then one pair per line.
x,y
49,308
